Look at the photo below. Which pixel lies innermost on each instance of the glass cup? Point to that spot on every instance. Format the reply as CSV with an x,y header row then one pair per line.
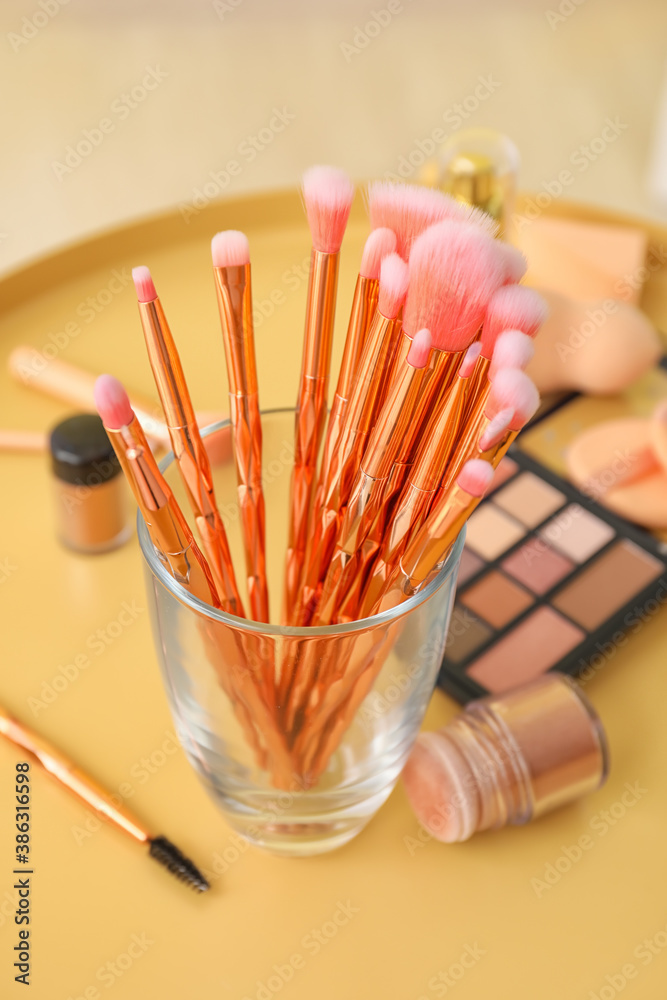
x,y
298,734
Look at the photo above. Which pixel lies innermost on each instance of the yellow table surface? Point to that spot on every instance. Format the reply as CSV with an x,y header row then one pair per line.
x,y
529,921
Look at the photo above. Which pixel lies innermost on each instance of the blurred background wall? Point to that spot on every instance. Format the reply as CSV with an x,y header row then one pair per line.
x,y
116,110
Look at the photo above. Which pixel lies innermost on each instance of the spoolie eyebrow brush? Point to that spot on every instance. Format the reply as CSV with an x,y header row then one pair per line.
x,y
90,792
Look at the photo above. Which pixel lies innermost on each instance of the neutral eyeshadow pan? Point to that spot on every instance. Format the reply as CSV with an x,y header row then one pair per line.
x,y
496,599
577,533
469,565
609,583
537,566
466,634
491,531
529,499
536,644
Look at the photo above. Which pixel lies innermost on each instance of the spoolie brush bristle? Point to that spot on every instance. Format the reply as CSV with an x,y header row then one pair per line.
x,y
393,285
513,307
409,209
513,390
454,270
328,194
475,477
379,244
513,350
420,348
174,861
144,284
112,402
230,249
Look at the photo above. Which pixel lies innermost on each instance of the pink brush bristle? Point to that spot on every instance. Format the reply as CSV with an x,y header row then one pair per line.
x,y
513,390
470,360
513,307
379,245
112,402
327,194
394,278
513,350
454,270
409,209
496,429
475,477
230,249
144,284
420,348
516,264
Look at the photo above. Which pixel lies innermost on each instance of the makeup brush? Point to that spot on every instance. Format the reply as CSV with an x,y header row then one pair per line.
x,y
516,264
357,421
437,443
380,244
74,385
342,697
167,527
231,268
170,533
513,307
327,194
186,441
511,389
454,269
437,535
90,792
381,452
409,209
513,350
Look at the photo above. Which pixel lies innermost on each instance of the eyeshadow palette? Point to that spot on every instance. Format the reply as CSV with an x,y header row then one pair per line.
x,y
547,580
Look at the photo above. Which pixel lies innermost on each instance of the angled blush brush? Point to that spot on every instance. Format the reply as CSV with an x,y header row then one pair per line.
x,y
190,454
327,194
231,269
97,798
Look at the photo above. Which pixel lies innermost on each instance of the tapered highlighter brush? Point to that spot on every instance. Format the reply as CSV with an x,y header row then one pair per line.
x,y
189,452
357,420
74,385
327,194
383,446
98,799
231,269
409,209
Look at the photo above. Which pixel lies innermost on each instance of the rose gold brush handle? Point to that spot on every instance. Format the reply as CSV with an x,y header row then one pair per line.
x,y
234,295
64,771
189,452
311,414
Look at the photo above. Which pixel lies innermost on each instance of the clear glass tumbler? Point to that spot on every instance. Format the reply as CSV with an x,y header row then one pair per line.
x,y
299,734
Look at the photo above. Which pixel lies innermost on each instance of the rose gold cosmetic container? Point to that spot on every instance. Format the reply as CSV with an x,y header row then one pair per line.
x,y
507,759
90,493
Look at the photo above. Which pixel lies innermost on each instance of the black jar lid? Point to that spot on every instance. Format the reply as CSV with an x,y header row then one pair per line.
x,y
81,452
